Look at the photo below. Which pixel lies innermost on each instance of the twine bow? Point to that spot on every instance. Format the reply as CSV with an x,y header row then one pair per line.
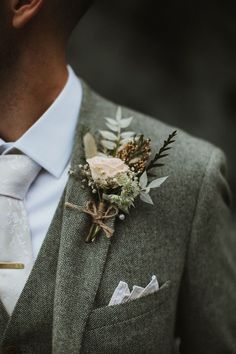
x,y
99,215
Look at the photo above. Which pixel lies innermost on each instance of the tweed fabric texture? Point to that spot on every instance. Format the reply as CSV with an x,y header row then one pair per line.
x,y
184,240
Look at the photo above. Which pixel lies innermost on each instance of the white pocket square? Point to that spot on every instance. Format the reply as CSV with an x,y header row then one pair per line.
x,y
123,294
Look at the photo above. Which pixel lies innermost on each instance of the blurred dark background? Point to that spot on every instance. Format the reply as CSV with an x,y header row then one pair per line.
x,y
173,60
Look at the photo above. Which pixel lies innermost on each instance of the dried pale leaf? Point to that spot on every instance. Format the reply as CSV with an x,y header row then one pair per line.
x,y
143,180
125,141
108,144
120,148
145,197
135,160
119,114
127,135
124,123
108,135
90,146
114,128
157,182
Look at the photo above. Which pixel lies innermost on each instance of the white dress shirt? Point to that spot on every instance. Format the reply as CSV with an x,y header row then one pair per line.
x,y
49,142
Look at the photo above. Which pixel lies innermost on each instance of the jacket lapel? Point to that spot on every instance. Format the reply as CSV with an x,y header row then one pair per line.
x,y
80,265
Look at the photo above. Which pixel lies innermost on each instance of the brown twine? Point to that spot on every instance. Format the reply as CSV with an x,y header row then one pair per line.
x,y
99,214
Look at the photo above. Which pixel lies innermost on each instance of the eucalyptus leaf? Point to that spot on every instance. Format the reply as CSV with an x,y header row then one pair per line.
x,y
108,135
90,146
124,123
127,135
119,114
143,180
114,128
157,182
111,121
145,197
108,144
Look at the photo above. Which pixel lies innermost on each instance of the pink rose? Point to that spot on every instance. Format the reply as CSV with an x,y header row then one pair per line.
x,y
106,167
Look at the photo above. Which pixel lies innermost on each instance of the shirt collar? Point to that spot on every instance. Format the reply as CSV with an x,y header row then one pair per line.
x,y
49,141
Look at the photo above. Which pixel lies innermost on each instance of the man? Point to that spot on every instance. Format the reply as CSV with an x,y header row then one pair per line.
x,y
54,287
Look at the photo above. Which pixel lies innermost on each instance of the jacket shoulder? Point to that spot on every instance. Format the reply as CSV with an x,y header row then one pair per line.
x,y
189,155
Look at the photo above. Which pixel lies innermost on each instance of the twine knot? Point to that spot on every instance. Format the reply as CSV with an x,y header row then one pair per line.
x,y
99,214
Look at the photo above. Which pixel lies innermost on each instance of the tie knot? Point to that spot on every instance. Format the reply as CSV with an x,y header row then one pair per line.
x,y
17,172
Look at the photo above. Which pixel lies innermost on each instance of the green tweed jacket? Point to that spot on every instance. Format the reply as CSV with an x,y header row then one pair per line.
x,y
184,240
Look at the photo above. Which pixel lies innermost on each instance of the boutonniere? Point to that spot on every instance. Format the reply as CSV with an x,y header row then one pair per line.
x,y
119,168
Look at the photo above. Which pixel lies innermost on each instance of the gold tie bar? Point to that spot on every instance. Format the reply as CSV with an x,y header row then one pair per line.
x,y
11,265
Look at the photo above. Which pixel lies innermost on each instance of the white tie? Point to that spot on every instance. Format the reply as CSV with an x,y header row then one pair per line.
x,y
17,172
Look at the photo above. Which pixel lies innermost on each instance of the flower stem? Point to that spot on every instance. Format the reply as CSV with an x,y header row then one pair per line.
x,y
99,194
94,230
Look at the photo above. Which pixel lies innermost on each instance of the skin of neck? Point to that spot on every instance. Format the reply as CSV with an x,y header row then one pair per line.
x,y
30,83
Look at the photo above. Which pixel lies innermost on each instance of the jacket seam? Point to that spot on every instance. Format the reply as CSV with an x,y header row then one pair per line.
x,y
189,239
198,200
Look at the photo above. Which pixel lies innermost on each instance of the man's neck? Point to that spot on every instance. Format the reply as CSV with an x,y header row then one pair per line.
x,y
26,93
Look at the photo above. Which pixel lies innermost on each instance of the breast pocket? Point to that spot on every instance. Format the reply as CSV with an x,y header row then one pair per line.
x,y
136,326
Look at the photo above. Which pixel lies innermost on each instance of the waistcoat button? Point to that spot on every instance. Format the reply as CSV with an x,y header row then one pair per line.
x,y
11,349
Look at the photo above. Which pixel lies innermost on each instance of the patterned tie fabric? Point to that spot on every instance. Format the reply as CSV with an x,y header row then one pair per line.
x,y
17,172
